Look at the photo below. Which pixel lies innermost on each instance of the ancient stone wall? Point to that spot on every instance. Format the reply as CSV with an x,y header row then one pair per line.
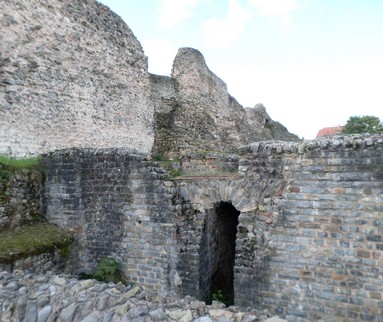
x,y
306,219
72,74
326,235
20,197
209,165
120,205
52,262
201,201
308,242
195,112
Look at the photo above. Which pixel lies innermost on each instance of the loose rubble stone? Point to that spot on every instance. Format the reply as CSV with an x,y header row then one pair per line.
x,y
44,313
68,306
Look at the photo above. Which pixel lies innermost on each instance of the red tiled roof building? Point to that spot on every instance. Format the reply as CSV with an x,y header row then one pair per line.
x,y
329,131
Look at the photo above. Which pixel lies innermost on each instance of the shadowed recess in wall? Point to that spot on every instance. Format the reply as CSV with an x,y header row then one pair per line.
x,y
217,253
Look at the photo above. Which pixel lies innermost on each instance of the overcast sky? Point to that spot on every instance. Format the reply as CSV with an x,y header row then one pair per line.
x,y
312,63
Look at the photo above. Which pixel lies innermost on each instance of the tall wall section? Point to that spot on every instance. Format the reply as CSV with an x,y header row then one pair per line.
x,y
120,205
325,231
72,74
298,230
194,111
308,240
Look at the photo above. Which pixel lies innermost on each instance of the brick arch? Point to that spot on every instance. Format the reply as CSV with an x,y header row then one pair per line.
x,y
244,194
202,201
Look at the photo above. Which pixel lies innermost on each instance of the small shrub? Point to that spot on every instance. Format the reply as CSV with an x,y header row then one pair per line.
x,y
219,297
175,173
5,174
65,251
159,157
108,270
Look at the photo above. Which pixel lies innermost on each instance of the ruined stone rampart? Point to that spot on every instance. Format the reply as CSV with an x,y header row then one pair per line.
x,y
327,241
20,197
72,74
209,165
120,205
297,230
195,112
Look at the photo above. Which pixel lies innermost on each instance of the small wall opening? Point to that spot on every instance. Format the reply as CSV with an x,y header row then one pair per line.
x,y
217,254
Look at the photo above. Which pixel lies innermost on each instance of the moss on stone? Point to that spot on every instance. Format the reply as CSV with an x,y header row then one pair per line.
x,y
31,240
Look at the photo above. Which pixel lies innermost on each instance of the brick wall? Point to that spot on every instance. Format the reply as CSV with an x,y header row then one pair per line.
x,y
328,240
213,166
20,197
309,234
120,205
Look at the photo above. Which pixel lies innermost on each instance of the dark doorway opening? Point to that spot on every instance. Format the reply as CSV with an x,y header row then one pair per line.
x,y
217,254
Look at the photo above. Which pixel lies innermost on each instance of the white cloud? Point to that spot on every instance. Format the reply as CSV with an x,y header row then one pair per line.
x,y
283,9
161,53
174,12
222,33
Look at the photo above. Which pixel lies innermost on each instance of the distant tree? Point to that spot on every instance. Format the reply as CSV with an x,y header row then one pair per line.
x,y
363,124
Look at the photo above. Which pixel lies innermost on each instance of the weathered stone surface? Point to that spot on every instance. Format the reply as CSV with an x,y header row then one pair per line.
x,y
131,195
65,305
20,197
31,313
194,111
275,319
67,313
324,227
73,75
309,213
158,314
44,313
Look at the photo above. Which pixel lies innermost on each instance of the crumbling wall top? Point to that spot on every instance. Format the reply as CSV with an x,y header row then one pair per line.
x,y
334,143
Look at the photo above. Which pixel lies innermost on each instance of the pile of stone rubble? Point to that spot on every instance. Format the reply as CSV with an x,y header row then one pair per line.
x,y
50,297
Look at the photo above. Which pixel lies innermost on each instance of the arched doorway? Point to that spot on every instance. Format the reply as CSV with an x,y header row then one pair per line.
x,y
217,253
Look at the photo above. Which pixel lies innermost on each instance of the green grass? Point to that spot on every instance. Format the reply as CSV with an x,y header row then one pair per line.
x,y
32,240
10,165
19,164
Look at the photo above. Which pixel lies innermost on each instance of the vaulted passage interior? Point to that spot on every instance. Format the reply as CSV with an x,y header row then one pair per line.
x,y
217,253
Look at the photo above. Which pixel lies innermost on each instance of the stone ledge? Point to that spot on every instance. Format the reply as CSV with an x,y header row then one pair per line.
x,y
335,143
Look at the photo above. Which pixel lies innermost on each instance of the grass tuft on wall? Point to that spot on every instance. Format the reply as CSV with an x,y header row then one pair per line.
x,y
19,164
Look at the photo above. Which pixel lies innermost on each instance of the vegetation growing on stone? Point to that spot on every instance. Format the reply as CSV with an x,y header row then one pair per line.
x,y
108,270
170,165
31,240
20,180
219,297
18,164
271,127
10,165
